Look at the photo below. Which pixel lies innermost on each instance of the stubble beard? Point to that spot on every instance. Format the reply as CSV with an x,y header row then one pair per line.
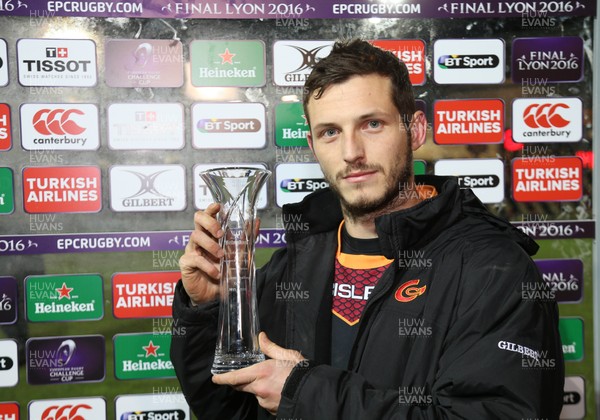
x,y
399,179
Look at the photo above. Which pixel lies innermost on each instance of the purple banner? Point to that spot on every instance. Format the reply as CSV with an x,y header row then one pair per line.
x,y
71,243
177,240
316,9
567,229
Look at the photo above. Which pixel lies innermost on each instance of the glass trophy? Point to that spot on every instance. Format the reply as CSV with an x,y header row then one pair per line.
x,y
236,190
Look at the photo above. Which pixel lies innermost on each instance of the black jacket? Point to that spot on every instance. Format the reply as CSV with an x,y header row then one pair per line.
x,y
469,344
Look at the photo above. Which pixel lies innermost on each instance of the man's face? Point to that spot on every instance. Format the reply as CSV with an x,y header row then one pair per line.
x,y
361,143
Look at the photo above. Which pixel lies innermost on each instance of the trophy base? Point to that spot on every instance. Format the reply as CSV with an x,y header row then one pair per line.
x,y
227,363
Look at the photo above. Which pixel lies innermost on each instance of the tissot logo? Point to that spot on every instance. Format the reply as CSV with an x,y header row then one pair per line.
x,y
552,59
412,54
231,125
62,189
68,409
460,61
293,60
471,121
57,62
147,188
547,120
484,176
409,291
156,126
59,127
3,63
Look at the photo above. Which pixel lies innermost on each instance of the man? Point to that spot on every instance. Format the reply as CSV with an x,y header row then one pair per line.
x,y
414,305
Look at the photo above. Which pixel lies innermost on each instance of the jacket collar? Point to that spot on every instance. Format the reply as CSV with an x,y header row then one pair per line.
x,y
410,228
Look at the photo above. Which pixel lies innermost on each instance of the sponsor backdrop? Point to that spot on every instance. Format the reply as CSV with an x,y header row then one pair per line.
x,y
110,109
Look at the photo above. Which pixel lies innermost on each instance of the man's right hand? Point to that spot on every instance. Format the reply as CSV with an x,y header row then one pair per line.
x,y
200,263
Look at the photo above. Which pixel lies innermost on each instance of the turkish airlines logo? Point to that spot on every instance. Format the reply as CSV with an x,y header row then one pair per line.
x,y
470,121
57,121
545,115
543,120
411,52
408,291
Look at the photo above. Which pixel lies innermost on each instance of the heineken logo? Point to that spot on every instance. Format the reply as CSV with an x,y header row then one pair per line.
x,y
142,356
228,63
64,298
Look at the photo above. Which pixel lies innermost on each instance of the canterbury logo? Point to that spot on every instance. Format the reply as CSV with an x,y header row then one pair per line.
x,y
545,116
65,412
408,291
57,121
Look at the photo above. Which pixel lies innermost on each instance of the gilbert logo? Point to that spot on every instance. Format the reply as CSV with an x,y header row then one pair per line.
x,y
5,128
139,126
57,62
558,180
547,120
144,295
229,126
411,52
460,61
471,121
62,189
294,60
68,409
228,63
60,127
147,188
409,291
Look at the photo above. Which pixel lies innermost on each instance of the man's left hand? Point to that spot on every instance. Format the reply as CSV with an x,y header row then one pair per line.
x,y
265,379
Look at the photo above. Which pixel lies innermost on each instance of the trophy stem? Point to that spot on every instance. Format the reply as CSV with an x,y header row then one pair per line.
x,y
236,190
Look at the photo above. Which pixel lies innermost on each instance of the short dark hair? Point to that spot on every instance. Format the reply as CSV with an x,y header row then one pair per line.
x,y
360,58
